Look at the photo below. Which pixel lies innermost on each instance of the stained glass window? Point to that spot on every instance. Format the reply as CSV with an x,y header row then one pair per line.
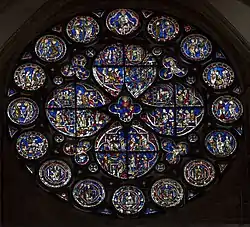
x,y
125,112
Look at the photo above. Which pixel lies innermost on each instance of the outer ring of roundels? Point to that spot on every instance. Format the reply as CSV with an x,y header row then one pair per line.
x,y
18,74
33,103
194,165
189,38
171,20
32,135
79,192
224,85
58,164
112,13
116,199
82,18
162,199
227,151
52,38
233,100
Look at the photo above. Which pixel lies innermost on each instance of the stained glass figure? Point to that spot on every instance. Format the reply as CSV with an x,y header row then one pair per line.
x,y
22,111
220,143
129,157
125,108
227,109
83,146
128,200
199,173
50,48
161,95
29,76
196,47
102,112
32,145
174,151
76,68
163,28
112,74
171,68
88,193
218,75
167,192
122,21
83,29
55,173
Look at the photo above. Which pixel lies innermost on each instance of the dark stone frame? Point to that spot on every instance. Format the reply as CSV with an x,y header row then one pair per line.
x,y
223,204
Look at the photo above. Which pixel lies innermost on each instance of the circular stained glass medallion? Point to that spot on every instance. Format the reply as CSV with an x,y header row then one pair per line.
x,y
83,29
167,192
122,21
196,47
23,111
55,173
50,48
220,143
163,28
88,193
218,75
199,173
227,109
29,76
128,200
32,145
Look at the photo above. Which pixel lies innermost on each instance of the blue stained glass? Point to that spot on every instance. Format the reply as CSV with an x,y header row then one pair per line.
x,y
23,111
218,75
122,21
196,47
125,108
50,48
141,145
29,76
220,143
83,29
171,68
163,28
174,151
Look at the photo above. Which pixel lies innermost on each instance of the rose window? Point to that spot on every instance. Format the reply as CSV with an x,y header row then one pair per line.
x,y
127,117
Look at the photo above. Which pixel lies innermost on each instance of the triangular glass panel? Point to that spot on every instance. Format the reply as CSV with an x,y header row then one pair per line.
x,y
63,196
26,56
11,92
220,55
12,131
150,211
222,167
146,13
192,195
237,90
31,169
57,28
239,130
99,13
